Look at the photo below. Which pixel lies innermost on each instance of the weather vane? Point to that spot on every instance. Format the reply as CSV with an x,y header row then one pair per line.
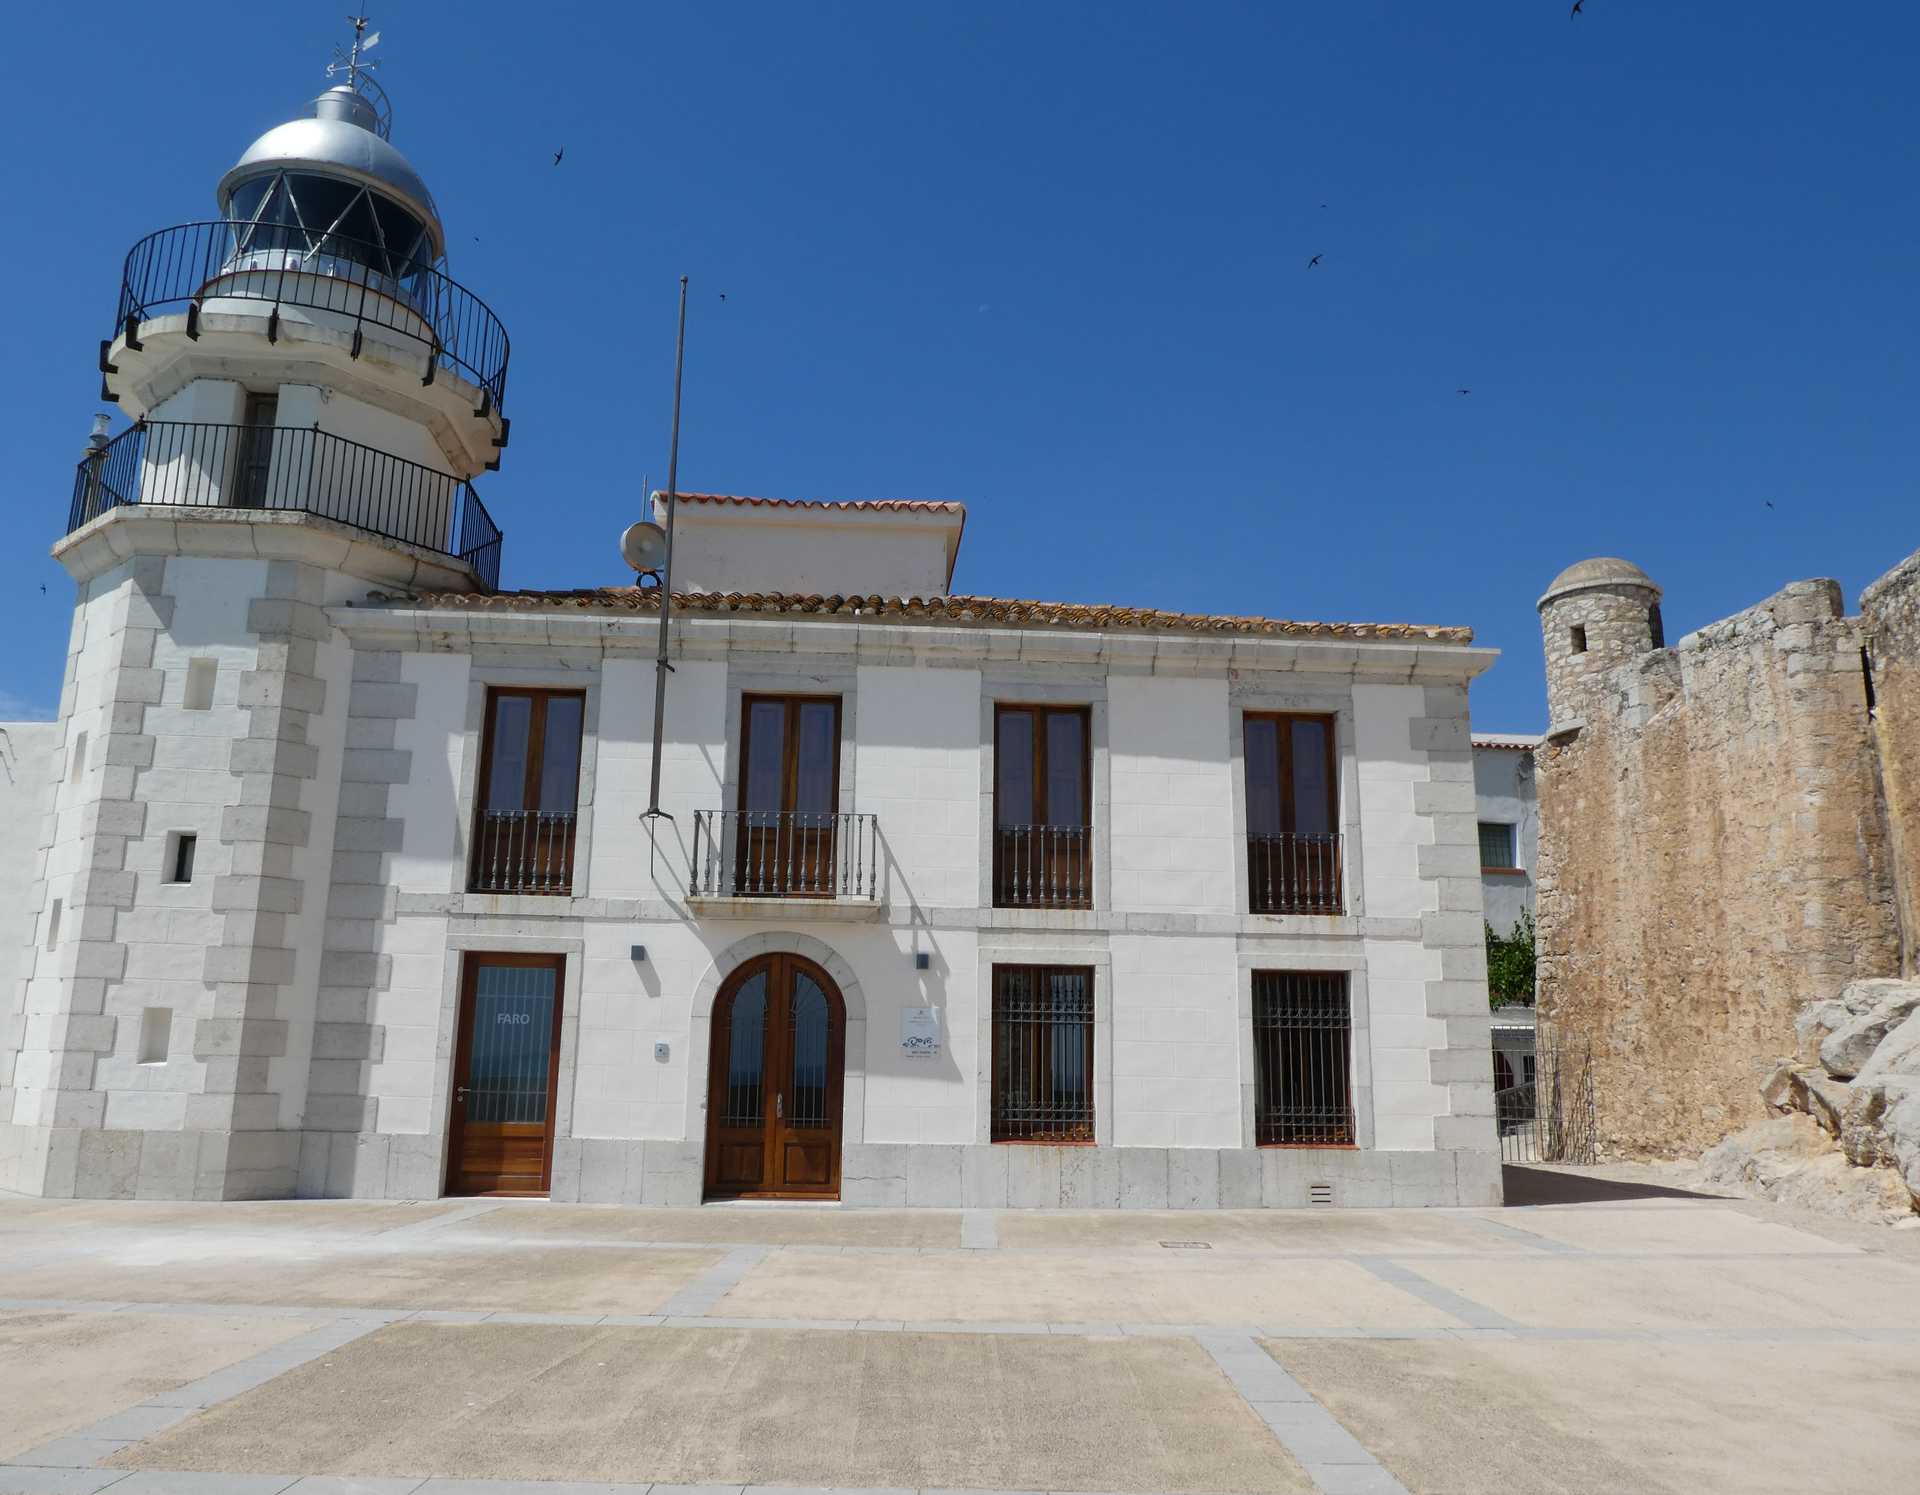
x,y
349,61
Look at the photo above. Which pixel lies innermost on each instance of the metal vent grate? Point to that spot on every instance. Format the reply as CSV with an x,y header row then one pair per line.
x,y
1319,1193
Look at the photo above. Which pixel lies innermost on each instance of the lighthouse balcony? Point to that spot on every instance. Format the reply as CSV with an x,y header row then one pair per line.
x,y
399,329
203,466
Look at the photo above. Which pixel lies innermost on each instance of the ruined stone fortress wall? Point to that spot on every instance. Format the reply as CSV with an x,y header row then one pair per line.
x,y
1890,609
1714,847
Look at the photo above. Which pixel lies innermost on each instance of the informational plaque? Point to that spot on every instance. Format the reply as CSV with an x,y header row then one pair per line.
x,y
920,1032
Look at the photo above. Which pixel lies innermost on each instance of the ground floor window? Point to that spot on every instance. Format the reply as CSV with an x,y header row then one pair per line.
x,y
1303,1053
1042,1054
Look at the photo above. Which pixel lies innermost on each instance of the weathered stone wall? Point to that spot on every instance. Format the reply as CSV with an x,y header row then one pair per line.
x,y
1890,611
1712,855
1616,624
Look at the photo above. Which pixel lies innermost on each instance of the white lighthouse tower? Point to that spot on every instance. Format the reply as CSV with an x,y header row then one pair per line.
x,y
310,396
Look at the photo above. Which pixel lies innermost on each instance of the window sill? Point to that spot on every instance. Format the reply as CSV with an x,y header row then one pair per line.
x,y
800,910
1044,1142
1503,871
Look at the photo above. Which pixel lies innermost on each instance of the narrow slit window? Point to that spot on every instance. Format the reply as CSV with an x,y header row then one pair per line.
x,y
1579,638
156,1034
1303,1055
180,856
79,764
1656,627
201,674
53,925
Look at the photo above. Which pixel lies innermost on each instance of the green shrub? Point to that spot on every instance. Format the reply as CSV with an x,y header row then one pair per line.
x,y
1510,964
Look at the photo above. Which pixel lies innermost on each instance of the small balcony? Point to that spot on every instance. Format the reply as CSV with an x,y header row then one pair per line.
x,y
1043,866
1294,873
198,465
523,851
822,855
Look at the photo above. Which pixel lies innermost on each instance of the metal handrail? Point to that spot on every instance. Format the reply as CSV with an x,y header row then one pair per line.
x,y
232,259
1043,866
1294,872
785,854
199,464
523,851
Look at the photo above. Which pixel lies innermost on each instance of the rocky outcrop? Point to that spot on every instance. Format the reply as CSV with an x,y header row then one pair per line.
x,y
1847,1111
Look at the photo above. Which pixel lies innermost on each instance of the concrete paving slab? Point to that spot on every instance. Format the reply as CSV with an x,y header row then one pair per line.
x,y
1180,1287
1674,1293
64,1372
1596,1419
729,1224
432,1271
753,1406
1322,1232
299,1216
1705,1229
58,1481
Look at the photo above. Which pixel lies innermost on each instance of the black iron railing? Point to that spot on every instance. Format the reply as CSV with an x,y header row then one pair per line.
x,y
1043,1054
523,851
194,264
785,854
1294,874
1043,866
193,464
1549,1115
1303,1059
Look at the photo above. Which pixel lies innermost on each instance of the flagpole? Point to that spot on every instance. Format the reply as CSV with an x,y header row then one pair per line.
x,y
660,665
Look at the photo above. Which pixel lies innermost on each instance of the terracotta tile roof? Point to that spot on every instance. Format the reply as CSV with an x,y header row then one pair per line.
x,y
989,611
885,505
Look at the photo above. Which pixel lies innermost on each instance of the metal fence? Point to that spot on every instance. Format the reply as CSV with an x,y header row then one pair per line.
x,y
1294,873
1043,866
1547,1115
191,264
197,464
1303,1055
785,854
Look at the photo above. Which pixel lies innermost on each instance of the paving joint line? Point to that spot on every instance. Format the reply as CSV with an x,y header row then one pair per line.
x,y
704,1293
1473,1315
1526,1237
472,1210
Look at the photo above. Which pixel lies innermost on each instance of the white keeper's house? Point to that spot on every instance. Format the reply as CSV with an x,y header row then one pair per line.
x,y
344,885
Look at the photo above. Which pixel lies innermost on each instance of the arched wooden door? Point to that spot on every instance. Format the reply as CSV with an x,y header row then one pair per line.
x,y
774,1085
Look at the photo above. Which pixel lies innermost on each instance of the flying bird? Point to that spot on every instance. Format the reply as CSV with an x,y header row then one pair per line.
x,y
1463,391
1769,505
723,295
1577,4
1312,262
558,154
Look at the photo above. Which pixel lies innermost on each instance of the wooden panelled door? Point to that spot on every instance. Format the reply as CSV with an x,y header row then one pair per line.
x,y
505,1075
773,1092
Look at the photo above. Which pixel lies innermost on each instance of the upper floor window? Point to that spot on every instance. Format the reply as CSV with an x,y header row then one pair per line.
x,y
1293,840
1042,807
1496,847
784,841
529,792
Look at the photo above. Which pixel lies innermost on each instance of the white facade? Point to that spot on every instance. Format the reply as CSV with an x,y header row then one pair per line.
x,y
1505,796
310,700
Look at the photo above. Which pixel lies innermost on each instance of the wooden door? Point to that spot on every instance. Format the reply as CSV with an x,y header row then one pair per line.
x,y
774,1088
789,796
505,1075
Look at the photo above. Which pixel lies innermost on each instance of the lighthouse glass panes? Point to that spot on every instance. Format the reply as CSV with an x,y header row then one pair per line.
x,y
297,220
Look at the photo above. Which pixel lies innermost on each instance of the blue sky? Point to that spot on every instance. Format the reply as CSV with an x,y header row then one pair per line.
x,y
1051,260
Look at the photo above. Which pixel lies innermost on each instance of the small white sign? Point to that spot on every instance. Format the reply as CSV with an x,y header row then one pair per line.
x,y
920,1032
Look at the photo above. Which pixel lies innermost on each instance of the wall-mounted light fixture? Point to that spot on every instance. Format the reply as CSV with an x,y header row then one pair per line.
x,y
922,961
638,953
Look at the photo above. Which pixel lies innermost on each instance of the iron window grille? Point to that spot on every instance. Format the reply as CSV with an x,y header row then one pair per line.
x,y
1303,1057
1496,845
1042,1054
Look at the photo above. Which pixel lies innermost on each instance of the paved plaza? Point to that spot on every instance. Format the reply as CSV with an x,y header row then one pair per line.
x,y
1598,1334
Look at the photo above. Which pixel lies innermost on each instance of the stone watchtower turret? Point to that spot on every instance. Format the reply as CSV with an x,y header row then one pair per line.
x,y
1596,614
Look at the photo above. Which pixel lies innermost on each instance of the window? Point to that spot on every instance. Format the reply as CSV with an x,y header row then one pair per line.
x,y
1302,1048
156,1031
1042,808
79,765
1656,627
529,792
201,674
1496,847
789,796
180,848
53,924
1579,638
1293,840
255,465
1042,1054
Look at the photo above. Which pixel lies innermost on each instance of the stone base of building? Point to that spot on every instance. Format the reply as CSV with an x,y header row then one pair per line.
x,y
71,1163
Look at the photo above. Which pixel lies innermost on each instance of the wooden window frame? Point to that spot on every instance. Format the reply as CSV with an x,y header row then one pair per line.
x,y
1283,741
1081,1133
539,696
1038,712
790,746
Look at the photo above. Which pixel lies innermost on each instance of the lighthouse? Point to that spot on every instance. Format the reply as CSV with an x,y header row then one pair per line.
x,y
309,398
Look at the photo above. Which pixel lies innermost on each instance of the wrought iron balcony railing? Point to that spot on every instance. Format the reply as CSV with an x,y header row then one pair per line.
x,y
1043,866
197,265
785,854
523,851
192,464
1294,873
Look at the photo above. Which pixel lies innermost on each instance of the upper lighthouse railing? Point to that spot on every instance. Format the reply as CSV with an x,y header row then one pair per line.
x,y
193,464
193,264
